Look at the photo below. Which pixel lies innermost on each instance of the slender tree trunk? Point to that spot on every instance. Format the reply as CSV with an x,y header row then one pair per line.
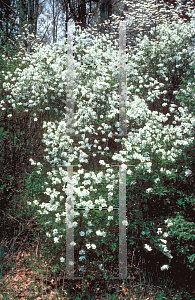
x,y
83,13
54,23
21,15
23,12
66,24
36,15
105,13
105,10
31,15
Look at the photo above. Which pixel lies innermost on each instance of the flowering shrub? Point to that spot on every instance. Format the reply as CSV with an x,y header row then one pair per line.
x,y
159,128
20,137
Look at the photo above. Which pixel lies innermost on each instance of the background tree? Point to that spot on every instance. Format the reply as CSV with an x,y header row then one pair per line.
x,y
87,13
28,14
8,20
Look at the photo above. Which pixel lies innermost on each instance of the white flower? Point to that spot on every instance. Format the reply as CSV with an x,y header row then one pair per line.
x,y
165,249
100,266
48,234
56,239
62,259
156,180
147,247
168,172
82,252
168,254
72,243
88,246
163,241
159,230
55,231
164,104
110,217
71,263
110,208
93,246
164,267
101,233
169,222
35,202
188,172
149,190
81,233
89,223
75,223
98,232
165,234
129,172
110,187
125,222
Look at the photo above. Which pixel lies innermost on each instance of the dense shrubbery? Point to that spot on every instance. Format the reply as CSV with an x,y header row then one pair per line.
x,y
159,146
20,139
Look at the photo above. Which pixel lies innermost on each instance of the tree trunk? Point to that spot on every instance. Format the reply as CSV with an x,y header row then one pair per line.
x,y
31,15
54,23
105,10
36,15
66,24
82,13
22,15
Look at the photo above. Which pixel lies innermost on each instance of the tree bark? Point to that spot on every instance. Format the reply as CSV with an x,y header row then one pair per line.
x,y
31,15
36,15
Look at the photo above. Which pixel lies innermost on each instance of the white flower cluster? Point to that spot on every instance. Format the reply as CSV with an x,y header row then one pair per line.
x,y
162,245
147,247
101,233
150,133
93,246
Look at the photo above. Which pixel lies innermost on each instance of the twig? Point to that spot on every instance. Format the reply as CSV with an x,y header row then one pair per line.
x,y
132,258
13,240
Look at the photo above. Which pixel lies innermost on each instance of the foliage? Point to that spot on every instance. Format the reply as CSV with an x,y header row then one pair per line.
x,y
20,139
159,143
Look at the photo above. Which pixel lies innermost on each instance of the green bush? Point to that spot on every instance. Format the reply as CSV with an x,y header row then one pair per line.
x,y
158,148
20,139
